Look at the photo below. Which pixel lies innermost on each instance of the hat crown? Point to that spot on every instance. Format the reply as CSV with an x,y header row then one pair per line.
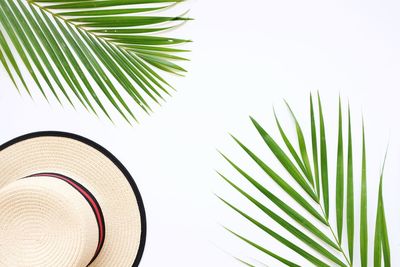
x,y
46,222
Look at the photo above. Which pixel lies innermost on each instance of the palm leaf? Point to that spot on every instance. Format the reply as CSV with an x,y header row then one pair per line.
x,y
307,225
350,192
324,160
363,206
340,178
99,53
314,147
381,241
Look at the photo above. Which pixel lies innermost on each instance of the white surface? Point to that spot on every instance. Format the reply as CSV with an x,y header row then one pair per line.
x,y
246,58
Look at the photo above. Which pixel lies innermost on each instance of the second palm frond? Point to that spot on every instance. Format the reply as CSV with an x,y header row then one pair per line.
x,y
306,184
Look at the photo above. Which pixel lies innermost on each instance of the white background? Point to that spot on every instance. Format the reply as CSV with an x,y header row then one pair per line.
x,y
247,56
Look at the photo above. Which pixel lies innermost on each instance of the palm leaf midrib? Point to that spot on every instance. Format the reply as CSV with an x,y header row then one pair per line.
x,y
81,27
309,182
335,236
67,46
323,213
308,173
312,185
305,167
306,170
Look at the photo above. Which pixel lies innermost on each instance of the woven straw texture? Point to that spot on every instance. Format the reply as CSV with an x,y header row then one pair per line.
x,y
60,205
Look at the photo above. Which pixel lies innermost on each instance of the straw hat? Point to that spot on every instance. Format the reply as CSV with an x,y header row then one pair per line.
x,y
65,201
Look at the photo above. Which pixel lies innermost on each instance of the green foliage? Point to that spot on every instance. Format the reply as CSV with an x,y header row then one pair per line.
x,y
76,48
311,223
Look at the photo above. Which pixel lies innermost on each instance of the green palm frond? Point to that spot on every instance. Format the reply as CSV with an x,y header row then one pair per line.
x,y
84,50
306,183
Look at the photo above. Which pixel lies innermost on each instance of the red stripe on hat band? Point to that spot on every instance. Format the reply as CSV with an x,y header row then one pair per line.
x,y
92,202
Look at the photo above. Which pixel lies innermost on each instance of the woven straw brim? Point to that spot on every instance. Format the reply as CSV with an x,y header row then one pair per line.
x,y
97,170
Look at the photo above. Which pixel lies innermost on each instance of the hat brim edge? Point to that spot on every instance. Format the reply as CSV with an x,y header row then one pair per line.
x,y
111,157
